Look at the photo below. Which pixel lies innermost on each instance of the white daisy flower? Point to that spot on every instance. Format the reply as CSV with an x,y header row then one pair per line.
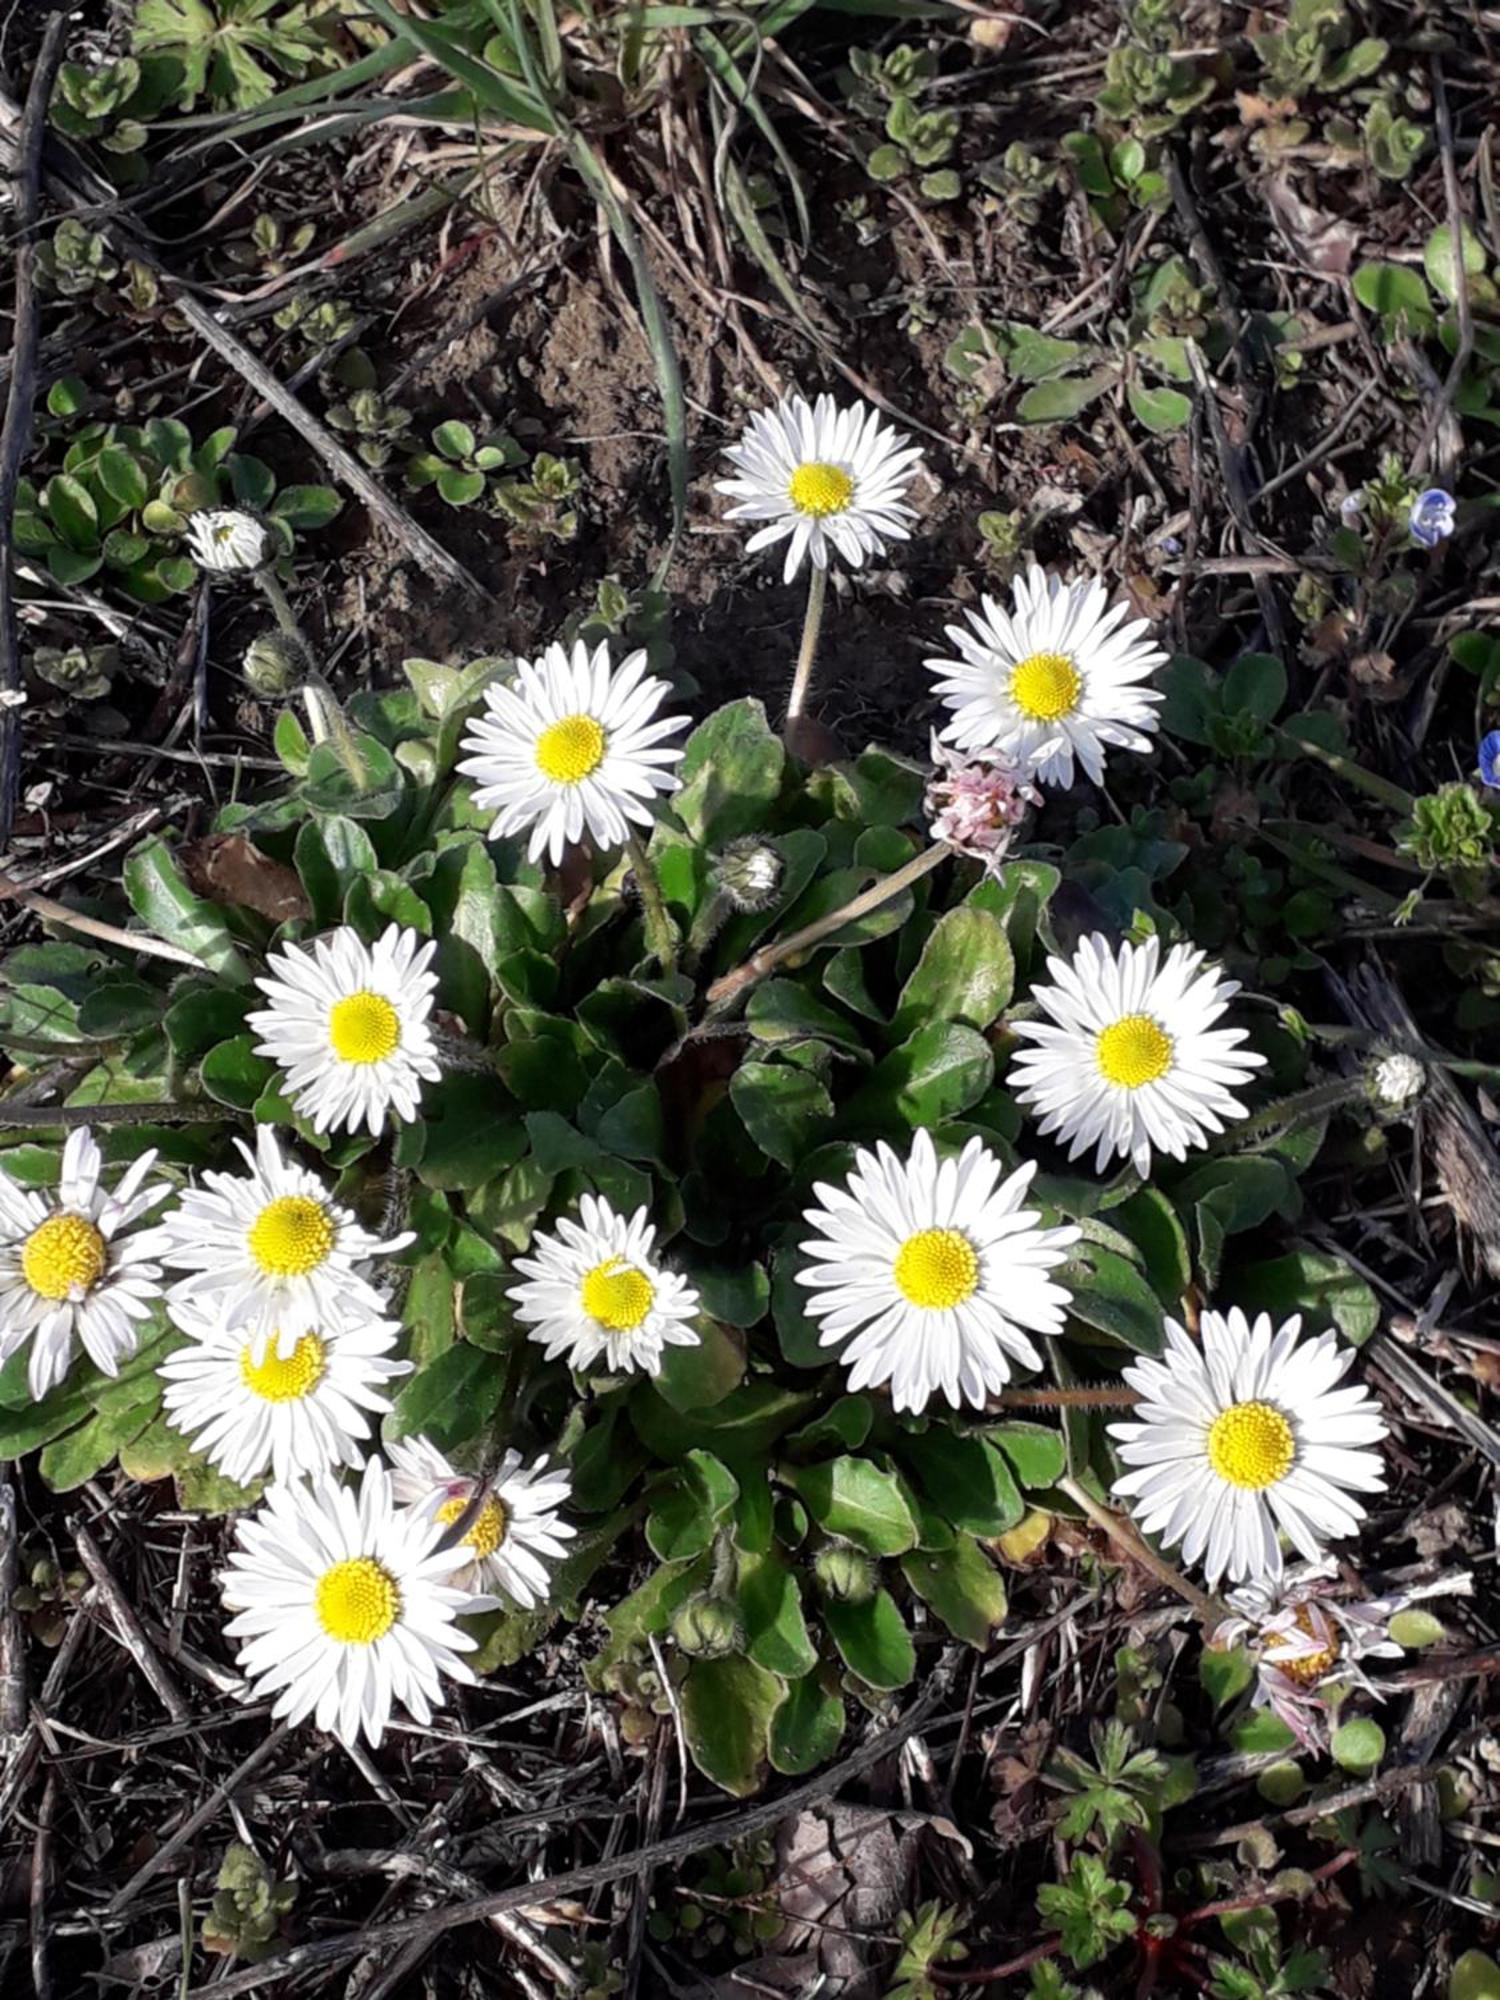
x,y
345,1605
347,1024
304,1413
228,540
73,1267
1129,1058
1056,677
573,747
1245,1436
595,1287
516,1532
822,479
271,1252
937,1271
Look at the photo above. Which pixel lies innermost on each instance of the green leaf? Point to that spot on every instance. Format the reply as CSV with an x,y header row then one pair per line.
x,y
170,910
1358,1746
1414,1629
68,397
1440,259
1315,1284
451,1398
730,774
122,476
965,1479
1475,1976
119,1007
1038,1455
1155,1228
69,1461
934,1076
966,973
455,440
962,1587
785,1109
1282,1785
71,507
1111,1295
858,1501
234,1074
807,1728
1260,1732
202,1017
683,1520
796,1329
331,854
304,507
1060,401
873,1641
1394,291
459,488
1256,685
1225,1672
694,1378
776,1635
1162,411
727,1708
782,1012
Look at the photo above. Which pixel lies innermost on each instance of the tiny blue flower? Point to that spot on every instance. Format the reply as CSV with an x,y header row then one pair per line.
x,y
1489,759
1431,519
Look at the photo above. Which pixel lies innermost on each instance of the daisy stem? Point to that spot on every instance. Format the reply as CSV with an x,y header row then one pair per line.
x,y
325,718
1125,1538
878,894
1287,1113
1068,1399
661,932
812,626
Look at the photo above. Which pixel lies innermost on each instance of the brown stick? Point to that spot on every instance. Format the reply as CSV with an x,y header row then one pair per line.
x,y
128,1626
197,1820
15,435
12,1637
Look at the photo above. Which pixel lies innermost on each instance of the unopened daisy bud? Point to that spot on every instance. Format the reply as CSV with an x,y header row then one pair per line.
x,y
749,872
708,1627
1396,1082
275,664
974,804
229,541
845,1573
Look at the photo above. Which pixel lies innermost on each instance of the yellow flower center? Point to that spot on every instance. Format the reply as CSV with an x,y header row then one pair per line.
x,y
62,1255
1134,1051
1251,1445
364,1028
291,1236
223,533
937,1268
288,1379
1307,1671
820,490
571,750
488,1531
1045,686
357,1601
617,1295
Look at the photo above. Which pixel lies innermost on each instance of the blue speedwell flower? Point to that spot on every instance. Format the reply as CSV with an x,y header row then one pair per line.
x,y
1431,518
1489,759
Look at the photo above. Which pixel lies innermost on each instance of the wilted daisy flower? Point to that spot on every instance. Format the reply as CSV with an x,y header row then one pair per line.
x,y
936,1270
250,1413
1247,1435
572,748
1056,677
1432,516
517,1530
822,478
227,539
347,1024
595,1287
345,1605
270,1252
73,1266
1129,1058
975,804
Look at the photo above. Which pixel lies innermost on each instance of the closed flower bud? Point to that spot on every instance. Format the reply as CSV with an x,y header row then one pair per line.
x,y
845,1573
1396,1082
708,1627
749,873
274,664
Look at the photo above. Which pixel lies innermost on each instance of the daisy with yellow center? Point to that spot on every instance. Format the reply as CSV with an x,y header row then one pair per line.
x,y
75,1268
252,1411
572,748
347,1024
595,1289
1246,1438
270,1254
346,1604
1129,1060
933,1272
515,1533
1057,679
823,480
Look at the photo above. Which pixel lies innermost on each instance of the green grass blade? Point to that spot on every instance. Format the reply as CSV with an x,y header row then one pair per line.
x,y
492,91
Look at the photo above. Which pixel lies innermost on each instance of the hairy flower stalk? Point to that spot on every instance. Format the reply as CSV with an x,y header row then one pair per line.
x,y
325,718
1122,1533
807,652
661,932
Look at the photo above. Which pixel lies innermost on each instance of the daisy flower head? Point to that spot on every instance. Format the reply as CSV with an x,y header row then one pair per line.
x,y
1244,1437
270,1251
822,480
228,541
1056,678
1128,1059
517,1531
936,1270
347,1025
346,1605
74,1267
596,1287
976,803
252,1412
574,747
